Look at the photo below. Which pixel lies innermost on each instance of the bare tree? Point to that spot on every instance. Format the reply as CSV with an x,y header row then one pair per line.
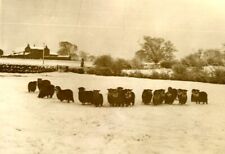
x,y
155,50
67,48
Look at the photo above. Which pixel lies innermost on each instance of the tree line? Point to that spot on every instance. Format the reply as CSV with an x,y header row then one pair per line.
x,y
161,52
154,50
69,49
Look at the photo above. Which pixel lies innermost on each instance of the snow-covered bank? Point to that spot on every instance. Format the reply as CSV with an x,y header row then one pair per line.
x,y
47,62
31,125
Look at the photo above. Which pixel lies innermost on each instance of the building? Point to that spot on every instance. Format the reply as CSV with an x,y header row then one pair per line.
x,y
37,53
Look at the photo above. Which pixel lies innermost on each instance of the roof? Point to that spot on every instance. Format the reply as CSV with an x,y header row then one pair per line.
x,y
36,47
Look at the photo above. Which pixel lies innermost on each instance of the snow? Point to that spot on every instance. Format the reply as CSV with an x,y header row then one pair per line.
x,y
70,63
30,125
148,71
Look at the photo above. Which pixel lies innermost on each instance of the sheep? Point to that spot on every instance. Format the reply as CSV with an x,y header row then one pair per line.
x,y
65,94
32,86
158,96
203,97
121,97
97,98
46,91
182,96
129,97
173,92
194,95
146,96
113,97
200,96
169,98
170,95
41,83
85,96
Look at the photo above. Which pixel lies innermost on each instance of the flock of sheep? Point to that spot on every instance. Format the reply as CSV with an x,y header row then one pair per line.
x,y
118,96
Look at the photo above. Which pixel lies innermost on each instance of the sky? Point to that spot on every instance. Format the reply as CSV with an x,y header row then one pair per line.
x,y
113,27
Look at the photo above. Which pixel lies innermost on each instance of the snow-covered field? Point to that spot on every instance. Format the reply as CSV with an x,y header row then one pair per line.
x,y
40,62
30,125
148,72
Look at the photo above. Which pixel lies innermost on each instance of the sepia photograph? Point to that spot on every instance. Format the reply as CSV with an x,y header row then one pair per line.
x,y
112,77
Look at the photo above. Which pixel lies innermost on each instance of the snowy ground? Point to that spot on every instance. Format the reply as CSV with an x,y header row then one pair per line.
x,y
148,71
45,126
70,63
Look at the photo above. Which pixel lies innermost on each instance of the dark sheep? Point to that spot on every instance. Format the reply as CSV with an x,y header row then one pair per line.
x,y
32,86
113,97
129,97
169,98
147,96
170,95
97,98
194,95
182,96
41,83
65,94
174,92
203,97
46,91
158,97
200,96
85,96
121,96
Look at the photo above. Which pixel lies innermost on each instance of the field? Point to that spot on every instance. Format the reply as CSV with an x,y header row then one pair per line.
x,y
39,62
30,125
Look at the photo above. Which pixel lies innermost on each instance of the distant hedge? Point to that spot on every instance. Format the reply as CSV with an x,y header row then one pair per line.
x,y
14,68
180,72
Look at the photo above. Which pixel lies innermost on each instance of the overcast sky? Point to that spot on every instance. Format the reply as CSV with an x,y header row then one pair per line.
x,y
112,26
